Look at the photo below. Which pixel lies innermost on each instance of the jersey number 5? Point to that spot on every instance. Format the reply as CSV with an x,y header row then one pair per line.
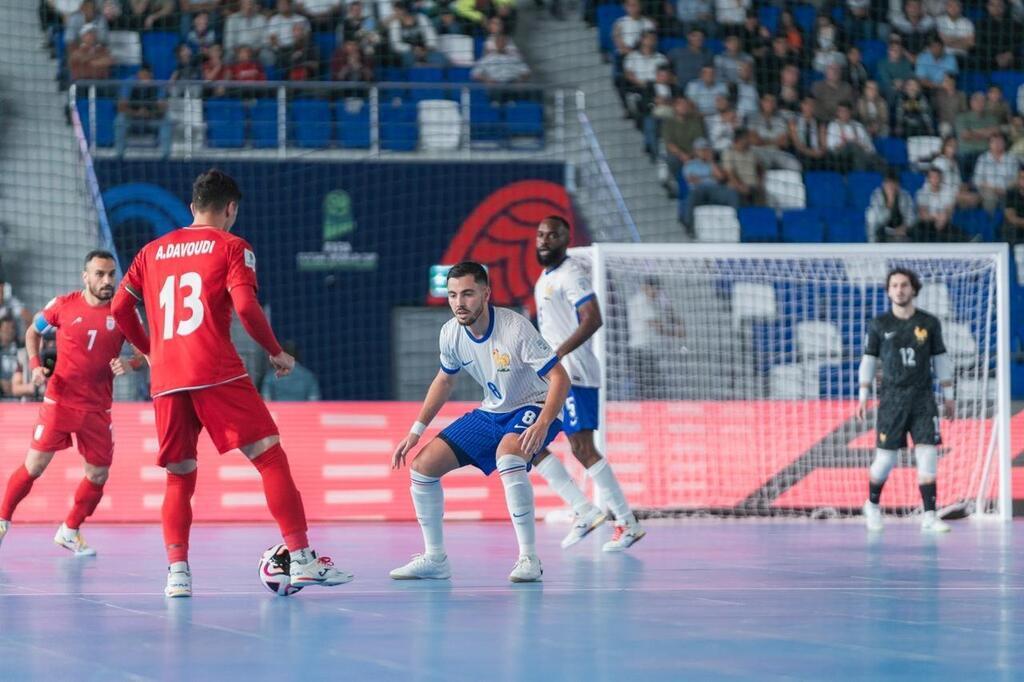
x,y
194,283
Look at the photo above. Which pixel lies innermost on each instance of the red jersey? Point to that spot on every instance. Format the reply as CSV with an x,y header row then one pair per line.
x,y
184,279
87,340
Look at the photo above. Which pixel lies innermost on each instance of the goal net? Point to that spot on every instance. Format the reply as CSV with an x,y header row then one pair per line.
x,y
731,375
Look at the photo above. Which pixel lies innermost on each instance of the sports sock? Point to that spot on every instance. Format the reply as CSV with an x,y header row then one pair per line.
x,y
555,473
18,486
519,497
428,499
928,493
611,491
875,491
87,496
283,498
177,514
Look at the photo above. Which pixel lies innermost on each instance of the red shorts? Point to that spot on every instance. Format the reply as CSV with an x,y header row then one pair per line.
x,y
93,431
234,415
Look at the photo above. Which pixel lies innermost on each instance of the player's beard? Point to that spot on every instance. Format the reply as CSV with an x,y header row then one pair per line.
x,y
103,293
553,256
469,321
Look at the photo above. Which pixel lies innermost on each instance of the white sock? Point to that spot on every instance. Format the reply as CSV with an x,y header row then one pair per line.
x,y
428,499
302,556
179,567
68,533
555,473
519,496
611,491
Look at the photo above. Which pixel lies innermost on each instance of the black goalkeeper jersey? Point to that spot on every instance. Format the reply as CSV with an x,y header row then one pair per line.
x,y
905,349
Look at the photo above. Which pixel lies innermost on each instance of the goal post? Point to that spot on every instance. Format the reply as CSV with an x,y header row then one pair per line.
x,y
729,375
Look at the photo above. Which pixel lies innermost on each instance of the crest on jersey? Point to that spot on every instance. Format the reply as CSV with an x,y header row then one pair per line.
x,y
548,291
250,260
881,438
110,323
921,334
583,283
502,361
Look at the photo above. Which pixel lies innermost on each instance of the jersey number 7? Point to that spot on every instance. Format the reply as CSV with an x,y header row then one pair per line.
x,y
194,284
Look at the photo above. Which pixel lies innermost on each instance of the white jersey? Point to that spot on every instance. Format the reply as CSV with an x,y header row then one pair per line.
x,y
559,293
509,361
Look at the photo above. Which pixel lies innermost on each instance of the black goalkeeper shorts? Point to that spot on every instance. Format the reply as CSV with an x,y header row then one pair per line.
x,y
898,415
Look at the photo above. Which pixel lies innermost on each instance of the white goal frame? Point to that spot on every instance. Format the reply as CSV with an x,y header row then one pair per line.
x,y
1000,254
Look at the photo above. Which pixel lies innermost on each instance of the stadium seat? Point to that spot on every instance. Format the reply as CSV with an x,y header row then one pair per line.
x,y
458,48
768,16
158,51
106,110
440,124
1008,82
391,74
716,224
976,221
263,123
871,52
353,124
972,81
818,339
785,189
310,123
893,150
431,75
606,17
524,125
714,46
459,74
825,189
666,45
794,381
225,122
772,342
845,227
125,48
486,124
934,298
752,301
860,185
802,225
838,380
922,148
398,130
805,17
911,181
758,224
960,344
326,42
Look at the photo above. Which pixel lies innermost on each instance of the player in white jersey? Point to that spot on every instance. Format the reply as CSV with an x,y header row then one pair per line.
x,y
524,390
568,314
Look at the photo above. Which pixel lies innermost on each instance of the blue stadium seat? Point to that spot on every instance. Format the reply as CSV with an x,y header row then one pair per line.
x,y
768,15
871,52
773,343
911,181
976,221
803,225
263,123
845,227
486,124
839,380
893,150
310,123
459,74
158,51
860,185
714,46
106,110
757,224
972,81
1008,82
524,124
808,77
326,42
427,74
225,122
398,128
606,17
805,17
666,45
123,72
353,125
391,74
825,189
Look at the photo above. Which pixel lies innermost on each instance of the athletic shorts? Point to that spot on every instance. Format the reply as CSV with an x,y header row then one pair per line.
x,y
898,416
233,414
93,431
580,410
474,437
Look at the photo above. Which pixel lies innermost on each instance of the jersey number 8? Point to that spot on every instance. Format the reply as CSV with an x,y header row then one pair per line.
x,y
194,283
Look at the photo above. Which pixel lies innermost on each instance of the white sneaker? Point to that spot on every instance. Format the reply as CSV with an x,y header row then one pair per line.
x,y
4,527
526,570
625,536
179,584
73,541
319,571
422,567
583,525
872,516
931,523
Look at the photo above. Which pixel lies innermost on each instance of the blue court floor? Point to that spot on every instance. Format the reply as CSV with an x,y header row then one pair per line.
x,y
694,600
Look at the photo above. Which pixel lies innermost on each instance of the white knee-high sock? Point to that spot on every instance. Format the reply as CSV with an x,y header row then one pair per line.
x,y
611,491
428,499
555,473
519,496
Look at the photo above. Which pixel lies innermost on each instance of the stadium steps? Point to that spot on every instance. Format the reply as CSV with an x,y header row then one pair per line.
x,y
564,54
44,206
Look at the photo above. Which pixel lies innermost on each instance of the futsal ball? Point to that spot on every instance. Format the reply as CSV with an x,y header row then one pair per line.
x,y
274,571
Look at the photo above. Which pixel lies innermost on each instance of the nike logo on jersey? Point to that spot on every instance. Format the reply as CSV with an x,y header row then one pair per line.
x,y
466,363
889,335
519,516
77,320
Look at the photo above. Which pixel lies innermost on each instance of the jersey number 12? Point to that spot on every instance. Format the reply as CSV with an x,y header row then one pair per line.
x,y
909,357
194,283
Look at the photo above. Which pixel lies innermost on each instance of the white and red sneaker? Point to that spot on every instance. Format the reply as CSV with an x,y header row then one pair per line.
x,y
319,570
625,536
72,541
583,525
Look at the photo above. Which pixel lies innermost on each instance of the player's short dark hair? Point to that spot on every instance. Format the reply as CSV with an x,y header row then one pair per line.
x,y
468,267
915,281
559,221
98,253
214,189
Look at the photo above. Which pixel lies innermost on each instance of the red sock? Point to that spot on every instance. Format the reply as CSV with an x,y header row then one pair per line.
x,y
177,514
87,497
283,497
18,486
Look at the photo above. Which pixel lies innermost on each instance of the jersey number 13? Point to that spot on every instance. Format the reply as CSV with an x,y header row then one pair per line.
x,y
193,283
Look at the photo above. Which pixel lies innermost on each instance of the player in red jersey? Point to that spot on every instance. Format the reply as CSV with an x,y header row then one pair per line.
x,y
78,395
189,281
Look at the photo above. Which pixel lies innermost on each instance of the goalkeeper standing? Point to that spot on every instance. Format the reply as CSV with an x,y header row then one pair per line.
x,y
907,341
